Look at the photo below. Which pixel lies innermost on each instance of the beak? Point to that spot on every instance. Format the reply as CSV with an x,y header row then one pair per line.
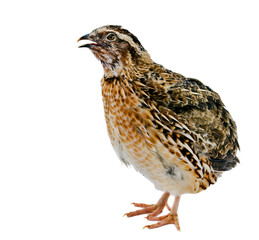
x,y
88,45
85,37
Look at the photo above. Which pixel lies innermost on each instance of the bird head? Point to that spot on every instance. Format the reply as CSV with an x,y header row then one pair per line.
x,y
116,48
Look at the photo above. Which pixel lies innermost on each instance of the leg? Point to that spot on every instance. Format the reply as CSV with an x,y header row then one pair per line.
x,y
171,218
153,209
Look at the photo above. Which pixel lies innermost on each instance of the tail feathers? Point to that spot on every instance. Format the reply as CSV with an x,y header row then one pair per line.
x,y
224,164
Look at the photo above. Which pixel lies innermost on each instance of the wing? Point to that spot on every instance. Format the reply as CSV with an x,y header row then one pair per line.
x,y
200,109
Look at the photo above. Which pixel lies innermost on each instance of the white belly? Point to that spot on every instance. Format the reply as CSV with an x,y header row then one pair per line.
x,y
164,173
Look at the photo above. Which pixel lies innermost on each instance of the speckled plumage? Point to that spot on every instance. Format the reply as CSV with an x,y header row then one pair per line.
x,y
172,129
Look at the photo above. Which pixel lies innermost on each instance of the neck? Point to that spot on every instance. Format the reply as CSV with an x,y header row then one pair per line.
x,y
128,67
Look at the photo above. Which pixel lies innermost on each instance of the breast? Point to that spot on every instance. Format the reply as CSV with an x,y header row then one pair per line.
x,y
127,125
123,123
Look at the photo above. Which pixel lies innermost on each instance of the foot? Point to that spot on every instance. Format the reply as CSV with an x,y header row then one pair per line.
x,y
152,210
171,218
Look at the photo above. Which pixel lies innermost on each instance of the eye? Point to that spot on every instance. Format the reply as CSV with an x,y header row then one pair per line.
x,y
111,37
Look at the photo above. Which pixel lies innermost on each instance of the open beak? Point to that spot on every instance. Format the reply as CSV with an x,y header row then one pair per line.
x,y
88,45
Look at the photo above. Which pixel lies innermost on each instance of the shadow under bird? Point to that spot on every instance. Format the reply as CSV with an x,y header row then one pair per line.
x,y
174,130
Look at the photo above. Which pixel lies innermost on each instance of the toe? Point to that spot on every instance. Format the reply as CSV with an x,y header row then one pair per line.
x,y
145,210
164,220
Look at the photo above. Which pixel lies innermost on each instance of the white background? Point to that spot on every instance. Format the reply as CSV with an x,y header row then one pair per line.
x,y
59,176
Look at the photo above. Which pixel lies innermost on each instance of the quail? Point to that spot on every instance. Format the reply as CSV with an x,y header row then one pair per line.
x,y
174,130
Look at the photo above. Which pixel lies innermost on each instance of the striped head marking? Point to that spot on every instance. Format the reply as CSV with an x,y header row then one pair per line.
x,y
115,47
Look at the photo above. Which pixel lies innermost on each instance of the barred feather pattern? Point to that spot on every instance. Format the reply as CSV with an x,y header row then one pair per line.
x,y
153,119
